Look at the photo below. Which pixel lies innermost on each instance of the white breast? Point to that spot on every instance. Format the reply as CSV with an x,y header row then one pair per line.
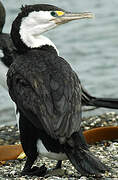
x,y
43,152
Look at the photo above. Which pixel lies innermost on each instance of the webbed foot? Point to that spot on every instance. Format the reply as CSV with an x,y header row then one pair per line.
x,y
35,171
56,172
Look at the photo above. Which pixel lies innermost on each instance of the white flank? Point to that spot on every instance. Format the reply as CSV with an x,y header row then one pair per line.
x,y
17,115
43,152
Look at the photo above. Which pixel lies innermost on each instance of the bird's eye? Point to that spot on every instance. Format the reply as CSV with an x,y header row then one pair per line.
x,y
57,13
53,13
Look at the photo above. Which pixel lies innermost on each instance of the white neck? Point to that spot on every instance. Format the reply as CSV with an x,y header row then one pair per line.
x,y
38,41
32,27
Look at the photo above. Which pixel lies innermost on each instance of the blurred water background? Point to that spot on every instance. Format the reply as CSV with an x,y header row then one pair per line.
x,y
90,46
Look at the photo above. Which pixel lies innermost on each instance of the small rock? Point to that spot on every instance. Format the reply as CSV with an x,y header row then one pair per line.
x,y
83,178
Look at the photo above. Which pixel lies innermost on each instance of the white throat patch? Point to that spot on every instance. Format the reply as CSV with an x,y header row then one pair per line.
x,y
33,26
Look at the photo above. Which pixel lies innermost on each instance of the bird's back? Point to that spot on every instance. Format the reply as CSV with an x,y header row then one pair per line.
x,y
56,90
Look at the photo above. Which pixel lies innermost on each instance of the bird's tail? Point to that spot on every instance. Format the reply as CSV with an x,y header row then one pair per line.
x,y
82,159
105,102
88,100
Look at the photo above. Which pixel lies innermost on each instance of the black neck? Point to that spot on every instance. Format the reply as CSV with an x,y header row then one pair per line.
x,y
15,35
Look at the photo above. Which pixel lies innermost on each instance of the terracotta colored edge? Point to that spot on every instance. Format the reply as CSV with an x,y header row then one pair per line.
x,y
11,152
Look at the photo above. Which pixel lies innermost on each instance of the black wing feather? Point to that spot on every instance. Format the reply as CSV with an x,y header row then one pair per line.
x,y
50,91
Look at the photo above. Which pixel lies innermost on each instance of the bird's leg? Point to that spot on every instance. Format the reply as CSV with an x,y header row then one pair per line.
x,y
56,171
58,165
30,148
33,171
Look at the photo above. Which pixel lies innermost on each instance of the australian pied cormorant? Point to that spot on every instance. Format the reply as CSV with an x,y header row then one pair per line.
x,y
7,49
8,55
48,93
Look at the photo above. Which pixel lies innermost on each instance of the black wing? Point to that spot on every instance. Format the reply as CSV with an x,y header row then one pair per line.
x,y
49,95
8,48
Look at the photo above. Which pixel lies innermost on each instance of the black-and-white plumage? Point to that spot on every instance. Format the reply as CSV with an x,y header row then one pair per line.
x,y
8,54
48,93
7,49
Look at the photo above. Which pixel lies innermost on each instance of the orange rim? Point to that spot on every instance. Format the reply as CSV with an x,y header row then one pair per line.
x,y
11,152
102,133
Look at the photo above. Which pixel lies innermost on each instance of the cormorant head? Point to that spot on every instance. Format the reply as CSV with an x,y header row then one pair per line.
x,y
2,17
37,19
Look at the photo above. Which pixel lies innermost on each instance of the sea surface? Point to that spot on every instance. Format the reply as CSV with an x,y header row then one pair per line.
x,y
89,45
